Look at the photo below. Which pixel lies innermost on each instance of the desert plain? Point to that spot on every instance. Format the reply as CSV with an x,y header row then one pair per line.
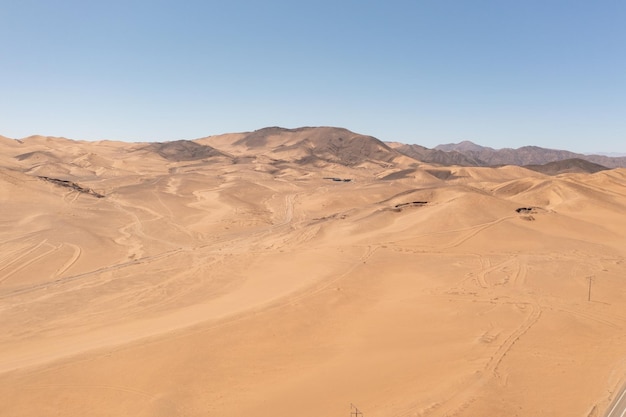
x,y
283,273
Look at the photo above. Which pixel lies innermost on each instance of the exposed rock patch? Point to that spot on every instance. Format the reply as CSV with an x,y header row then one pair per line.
x,y
72,185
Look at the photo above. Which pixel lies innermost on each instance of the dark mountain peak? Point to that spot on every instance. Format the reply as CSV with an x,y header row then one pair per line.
x,y
183,150
260,138
319,144
342,146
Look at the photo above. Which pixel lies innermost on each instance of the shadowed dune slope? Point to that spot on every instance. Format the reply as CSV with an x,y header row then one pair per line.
x,y
568,165
184,150
293,272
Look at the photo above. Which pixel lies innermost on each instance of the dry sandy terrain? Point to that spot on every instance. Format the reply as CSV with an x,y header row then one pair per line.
x,y
241,281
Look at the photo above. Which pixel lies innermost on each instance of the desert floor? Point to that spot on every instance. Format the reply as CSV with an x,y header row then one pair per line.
x,y
197,288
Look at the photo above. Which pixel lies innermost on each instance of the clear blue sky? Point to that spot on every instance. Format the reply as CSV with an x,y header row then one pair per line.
x,y
501,73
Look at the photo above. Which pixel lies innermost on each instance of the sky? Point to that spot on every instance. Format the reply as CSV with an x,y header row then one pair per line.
x,y
500,73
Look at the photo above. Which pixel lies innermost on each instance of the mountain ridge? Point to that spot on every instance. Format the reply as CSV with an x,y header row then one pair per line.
x,y
326,144
525,155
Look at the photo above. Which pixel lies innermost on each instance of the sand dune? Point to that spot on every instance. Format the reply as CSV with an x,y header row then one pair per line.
x,y
271,274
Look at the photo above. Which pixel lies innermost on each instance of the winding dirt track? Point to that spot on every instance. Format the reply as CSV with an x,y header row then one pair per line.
x,y
249,296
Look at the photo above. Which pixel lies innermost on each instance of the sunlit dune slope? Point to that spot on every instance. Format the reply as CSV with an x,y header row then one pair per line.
x,y
294,272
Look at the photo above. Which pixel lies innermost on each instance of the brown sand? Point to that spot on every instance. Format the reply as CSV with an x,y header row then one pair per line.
x,y
253,286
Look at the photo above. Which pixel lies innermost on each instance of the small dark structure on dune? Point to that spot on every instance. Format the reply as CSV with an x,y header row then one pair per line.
x,y
338,179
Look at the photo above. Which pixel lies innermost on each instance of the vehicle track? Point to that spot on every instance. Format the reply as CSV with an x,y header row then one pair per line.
x,y
30,262
482,275
129,332
23,254
109,268
595,317
231,239
531,319
460,400
473,231
73,259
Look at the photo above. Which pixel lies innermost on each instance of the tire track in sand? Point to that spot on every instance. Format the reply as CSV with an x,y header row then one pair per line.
x,y
73,259
482,274
29,251
473,231
461,399
504,348
30,261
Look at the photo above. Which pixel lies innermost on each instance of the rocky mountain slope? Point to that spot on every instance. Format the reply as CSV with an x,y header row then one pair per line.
x,y
526,155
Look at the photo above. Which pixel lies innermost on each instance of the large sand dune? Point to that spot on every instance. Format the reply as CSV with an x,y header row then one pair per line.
x,y
245,275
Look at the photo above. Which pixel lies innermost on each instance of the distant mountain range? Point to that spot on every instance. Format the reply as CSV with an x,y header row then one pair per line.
x,y
326,146
467,153
338,145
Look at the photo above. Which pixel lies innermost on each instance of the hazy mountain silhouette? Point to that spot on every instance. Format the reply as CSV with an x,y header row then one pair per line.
x,y
527,155
437,156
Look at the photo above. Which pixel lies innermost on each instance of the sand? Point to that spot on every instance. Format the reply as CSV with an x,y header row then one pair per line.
x,y
251,284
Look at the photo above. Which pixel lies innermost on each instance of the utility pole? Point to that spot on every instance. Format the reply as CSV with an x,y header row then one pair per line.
x,y
354,412
590,281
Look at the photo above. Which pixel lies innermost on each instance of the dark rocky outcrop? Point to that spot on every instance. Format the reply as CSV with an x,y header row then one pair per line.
x,y
72,185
